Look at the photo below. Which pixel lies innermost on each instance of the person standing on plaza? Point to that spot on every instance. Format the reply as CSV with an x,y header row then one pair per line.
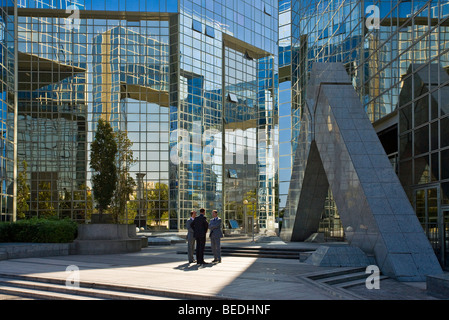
x,y
215,235
200,227
190,237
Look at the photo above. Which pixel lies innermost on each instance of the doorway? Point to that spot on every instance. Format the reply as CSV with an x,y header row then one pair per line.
x,y
426,205
434,220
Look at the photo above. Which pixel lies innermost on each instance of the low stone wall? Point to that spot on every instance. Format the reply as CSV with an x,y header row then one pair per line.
x,y
33,250
100,231
95,239
106,246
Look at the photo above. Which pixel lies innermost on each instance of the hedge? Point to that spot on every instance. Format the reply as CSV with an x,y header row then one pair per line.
x,y
39,231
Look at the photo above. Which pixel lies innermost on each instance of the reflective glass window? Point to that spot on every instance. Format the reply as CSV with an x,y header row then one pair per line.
x,y
197,25
210,31
421,140
421,111
444,162
444,132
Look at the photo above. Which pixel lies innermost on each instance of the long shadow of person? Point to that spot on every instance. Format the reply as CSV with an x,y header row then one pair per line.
x,y
193,267
187,267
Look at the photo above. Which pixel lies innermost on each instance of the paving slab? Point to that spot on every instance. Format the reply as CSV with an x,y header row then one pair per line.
x,y
161,268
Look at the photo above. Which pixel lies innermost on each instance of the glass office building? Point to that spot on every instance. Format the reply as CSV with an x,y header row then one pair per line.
x,y
192,82
7,115
396,53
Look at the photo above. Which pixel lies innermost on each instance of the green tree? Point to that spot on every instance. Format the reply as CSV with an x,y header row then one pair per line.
x,y
250,203
131,208
23,192
103,162
125,183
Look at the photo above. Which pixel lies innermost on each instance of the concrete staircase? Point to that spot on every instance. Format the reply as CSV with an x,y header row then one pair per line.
x,y
55,289
342,277
255,252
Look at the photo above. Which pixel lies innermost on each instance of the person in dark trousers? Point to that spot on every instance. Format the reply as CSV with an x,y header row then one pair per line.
x,y
200,227
190,237
215,235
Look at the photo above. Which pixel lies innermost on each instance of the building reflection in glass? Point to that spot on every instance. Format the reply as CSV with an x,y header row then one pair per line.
x,y
155,69
400,73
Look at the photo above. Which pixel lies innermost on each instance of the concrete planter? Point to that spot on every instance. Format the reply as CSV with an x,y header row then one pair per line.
x,y
105,218
106,239
133,235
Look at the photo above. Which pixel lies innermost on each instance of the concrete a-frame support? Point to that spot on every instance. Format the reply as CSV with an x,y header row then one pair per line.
x,y
347,156
312,196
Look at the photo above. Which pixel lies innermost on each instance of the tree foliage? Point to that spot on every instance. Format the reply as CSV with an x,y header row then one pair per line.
x,y
23,192
103,161
125,183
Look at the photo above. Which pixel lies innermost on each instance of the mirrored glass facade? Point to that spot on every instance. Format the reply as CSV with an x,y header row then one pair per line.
x,y
227,97
193,84
7,115
396,55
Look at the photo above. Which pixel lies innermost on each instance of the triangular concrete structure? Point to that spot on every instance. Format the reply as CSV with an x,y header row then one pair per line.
x,y
347,156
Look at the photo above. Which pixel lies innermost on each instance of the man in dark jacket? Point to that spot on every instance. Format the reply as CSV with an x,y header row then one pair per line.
x,y
200,227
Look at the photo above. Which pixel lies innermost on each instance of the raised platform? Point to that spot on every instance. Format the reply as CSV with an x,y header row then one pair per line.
x,y
106,239
438,285
238,278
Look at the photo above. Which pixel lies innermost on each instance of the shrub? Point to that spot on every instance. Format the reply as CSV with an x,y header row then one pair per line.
x,y
39,231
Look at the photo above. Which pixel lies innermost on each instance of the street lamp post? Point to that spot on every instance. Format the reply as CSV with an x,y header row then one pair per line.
x,y
245,215
141,215
245,202
253,202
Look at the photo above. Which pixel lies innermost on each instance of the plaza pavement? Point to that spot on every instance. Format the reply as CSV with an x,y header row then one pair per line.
x,y
163,269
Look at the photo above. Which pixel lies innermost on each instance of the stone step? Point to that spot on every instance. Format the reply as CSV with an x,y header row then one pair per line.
x,y
304,255
344,278
276,252
40,294
255,255
261,249
317,276
357,282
